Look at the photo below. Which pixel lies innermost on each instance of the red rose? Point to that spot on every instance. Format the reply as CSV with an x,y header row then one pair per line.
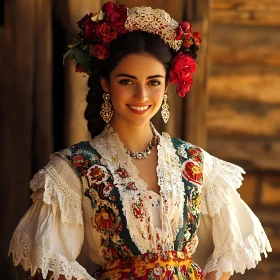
x,y
123,8
179,33
106,32
105,29
99,51
117,18
92,29
196,37
79,68
182,68
186,25
183,88
109,8
81,23
109,37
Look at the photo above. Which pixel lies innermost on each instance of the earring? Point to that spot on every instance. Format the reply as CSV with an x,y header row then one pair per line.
x,y
164,109
106,108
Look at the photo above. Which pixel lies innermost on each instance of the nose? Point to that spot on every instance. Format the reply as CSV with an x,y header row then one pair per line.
x,y
141,94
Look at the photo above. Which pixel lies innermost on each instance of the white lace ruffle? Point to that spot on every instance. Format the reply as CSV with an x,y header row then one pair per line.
x,y
58,194
224,179
239,256
33,258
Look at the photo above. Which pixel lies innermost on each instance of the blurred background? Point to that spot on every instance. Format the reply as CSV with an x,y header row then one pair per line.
x,y
233,110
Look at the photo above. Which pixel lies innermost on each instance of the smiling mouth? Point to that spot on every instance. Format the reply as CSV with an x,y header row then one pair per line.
x,y
139,108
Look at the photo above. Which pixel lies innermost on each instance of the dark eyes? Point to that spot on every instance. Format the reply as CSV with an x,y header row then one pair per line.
x,y
154,82
130,82
125,82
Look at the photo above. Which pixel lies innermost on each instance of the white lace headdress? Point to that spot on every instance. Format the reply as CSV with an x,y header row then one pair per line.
x,y
155,21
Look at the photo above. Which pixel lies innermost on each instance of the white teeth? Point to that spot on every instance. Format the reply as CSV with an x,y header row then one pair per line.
x,y
139,108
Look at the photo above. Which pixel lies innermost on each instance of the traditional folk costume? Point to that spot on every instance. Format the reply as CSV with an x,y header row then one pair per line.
x,y
91,192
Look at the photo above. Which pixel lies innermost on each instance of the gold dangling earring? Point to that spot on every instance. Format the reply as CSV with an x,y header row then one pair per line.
x,y
164,109
106,108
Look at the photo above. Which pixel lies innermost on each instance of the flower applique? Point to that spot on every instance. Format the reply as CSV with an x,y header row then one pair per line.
x,y
138,210
97,174
192,171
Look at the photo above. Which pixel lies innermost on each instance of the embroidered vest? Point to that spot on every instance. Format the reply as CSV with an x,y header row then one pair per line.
x,y
108,217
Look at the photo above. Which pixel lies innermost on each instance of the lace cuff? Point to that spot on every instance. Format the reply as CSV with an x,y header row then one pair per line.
x,y
58,194
32,258
223,180
239,256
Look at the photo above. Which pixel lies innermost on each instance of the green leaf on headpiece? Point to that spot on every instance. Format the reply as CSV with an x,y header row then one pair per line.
x,y
71,46
81,57
69,54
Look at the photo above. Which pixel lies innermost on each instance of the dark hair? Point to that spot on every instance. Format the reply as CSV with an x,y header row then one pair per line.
x,y
133,42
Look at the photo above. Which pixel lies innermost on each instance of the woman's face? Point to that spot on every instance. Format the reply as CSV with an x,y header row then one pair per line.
x,y
137,85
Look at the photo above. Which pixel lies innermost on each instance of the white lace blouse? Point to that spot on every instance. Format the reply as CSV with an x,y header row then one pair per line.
x,y
50,236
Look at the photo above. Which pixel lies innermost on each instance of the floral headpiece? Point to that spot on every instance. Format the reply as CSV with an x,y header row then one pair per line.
x,y
113,21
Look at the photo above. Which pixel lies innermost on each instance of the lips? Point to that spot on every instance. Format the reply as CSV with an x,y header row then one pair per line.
x,y
139,109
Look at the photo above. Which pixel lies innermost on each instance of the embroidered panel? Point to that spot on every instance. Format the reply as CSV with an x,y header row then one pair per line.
x,y
191,158
166,265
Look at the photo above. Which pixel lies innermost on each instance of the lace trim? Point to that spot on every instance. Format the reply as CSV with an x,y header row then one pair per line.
x,y
225,178
58,194
142,231
169,174
33,258
154,21
239,256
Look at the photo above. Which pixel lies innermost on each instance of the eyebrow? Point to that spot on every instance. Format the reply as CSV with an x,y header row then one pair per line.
x,y
133,77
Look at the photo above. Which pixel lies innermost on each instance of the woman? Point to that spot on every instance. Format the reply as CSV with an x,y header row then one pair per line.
x,y
141,202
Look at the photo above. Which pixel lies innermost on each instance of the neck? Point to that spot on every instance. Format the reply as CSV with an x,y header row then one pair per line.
x,y
135,138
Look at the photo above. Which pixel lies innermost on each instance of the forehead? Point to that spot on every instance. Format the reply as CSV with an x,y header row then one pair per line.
x,y
140,64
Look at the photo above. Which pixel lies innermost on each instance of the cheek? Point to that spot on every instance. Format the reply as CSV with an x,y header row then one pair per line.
x,y
158,94
119,95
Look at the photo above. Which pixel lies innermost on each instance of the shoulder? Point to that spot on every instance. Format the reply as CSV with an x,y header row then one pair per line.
x,y
186,150
211,165
79,156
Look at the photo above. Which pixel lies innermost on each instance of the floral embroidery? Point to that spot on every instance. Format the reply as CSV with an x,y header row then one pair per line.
x,y
105,219
167,265
80,163
157,271
138,209
122,172
105,189
79,157
192,172
192,161
140,271
131,186
97,173
195,154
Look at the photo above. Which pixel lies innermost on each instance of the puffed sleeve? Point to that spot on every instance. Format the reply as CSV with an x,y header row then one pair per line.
x,y
51,233
236,234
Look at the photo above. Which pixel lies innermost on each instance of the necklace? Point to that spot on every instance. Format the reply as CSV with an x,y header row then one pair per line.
x,y
146,152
